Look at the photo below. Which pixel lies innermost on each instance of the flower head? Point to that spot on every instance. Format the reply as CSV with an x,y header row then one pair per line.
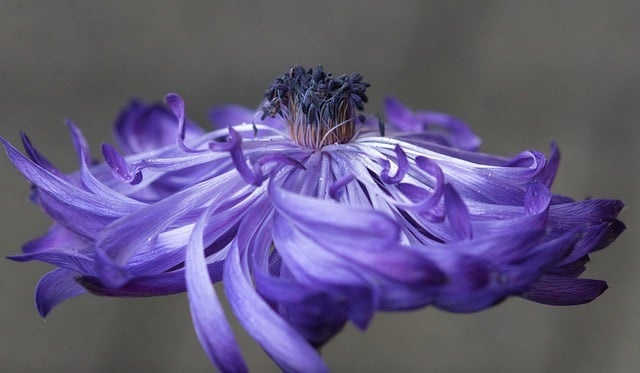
x,y
312,215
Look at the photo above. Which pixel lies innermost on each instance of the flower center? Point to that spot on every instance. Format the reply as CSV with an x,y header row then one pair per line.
x,y
319,108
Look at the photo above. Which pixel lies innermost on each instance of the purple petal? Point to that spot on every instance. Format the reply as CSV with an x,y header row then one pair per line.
x,y
310,262
316,314
456,133
457,214
536,199
57,237
400,116
234,146
449,130
54,288
79,143
424,201
282,342
252,175
142,127
64,258
509,247
393,262
148,286
121,169
176,104
553,162
473,283
336,188
326,270
78,210
403,167
564,291
358,226
126,129
209,321
117,242
231,115
38,158
590,211
85,221
595,238
546,255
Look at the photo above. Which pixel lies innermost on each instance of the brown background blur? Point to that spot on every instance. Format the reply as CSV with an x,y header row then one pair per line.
x,y
522,73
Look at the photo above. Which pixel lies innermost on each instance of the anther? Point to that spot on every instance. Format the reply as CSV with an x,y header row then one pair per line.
x,y
319,108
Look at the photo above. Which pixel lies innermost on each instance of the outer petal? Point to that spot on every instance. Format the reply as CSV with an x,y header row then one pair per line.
x,y
320,268
165,283
317,314
281,341
117,242
121,169
57,237
564,291
38,158
230,115
209,321
448,130
64,258
142,127
56,287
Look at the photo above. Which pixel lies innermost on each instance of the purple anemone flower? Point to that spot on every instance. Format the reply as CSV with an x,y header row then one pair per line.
x,y
312,214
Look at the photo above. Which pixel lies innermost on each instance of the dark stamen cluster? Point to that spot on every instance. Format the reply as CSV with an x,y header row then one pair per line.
x,y
320,109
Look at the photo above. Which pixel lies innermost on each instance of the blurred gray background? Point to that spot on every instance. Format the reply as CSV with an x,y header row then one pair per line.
x,y
522,73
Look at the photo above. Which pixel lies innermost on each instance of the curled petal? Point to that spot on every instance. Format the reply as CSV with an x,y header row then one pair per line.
x,y
252,175
536,199
553,162
449,130
176,104
403,166
423,200
120,167
80,144
234,147
54,288
142,127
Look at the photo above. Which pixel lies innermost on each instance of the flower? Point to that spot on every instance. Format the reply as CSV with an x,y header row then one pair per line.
x,y
312,215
